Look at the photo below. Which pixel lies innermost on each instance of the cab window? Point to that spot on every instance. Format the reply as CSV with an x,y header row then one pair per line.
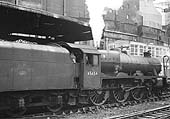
x,y
95,60
92,59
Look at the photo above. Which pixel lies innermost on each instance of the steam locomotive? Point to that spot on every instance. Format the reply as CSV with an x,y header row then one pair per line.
x,y
56,75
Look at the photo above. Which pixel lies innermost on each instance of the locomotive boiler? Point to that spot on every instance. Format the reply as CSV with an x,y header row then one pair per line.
x,y
114,62
71,74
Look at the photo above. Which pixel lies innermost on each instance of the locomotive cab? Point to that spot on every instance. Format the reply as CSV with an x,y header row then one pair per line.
x,y
87,66
91,70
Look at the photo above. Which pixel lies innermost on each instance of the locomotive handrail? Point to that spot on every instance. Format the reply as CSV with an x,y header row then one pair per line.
x,y
54,44
165,62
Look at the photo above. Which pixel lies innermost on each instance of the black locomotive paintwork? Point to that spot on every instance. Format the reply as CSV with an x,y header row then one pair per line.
x,y
128,64
38,75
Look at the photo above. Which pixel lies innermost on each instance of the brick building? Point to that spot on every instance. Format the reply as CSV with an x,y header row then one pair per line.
x,y
137,17
133,18
163,7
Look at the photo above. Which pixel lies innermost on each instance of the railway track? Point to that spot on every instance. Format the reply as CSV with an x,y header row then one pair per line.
x,y
94,109
158,113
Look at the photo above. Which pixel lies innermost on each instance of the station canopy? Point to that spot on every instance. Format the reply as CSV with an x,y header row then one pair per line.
x,y
18,22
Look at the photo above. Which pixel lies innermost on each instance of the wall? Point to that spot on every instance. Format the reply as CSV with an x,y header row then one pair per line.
x,y
71,8
55,6
167,18
151,17
128,12
162,7
31,3
76,8
10,1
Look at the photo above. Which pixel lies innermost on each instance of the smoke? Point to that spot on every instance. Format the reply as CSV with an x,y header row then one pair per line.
x,y
96,10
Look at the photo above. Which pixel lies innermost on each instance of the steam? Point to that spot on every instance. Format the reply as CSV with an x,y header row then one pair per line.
x,y
96,10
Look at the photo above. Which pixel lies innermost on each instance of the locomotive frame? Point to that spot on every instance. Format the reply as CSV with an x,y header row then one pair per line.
x,y
69,74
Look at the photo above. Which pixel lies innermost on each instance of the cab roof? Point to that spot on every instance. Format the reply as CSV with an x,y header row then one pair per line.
x,y
83,48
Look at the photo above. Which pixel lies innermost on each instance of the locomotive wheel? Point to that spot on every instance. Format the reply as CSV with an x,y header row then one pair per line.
x,y
120,95
158,93
99,97
54,103
146,93
137,93
14,110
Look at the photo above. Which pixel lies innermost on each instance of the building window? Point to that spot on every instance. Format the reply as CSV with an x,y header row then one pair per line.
x,y
149,49
132,49
141,50
144,48
153,52
157,52
164,51
136,49
160,52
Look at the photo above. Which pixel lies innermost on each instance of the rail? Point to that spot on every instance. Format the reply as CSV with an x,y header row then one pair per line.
x,y
161,113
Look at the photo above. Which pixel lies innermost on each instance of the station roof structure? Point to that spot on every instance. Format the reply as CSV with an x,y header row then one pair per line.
x,y
18,22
